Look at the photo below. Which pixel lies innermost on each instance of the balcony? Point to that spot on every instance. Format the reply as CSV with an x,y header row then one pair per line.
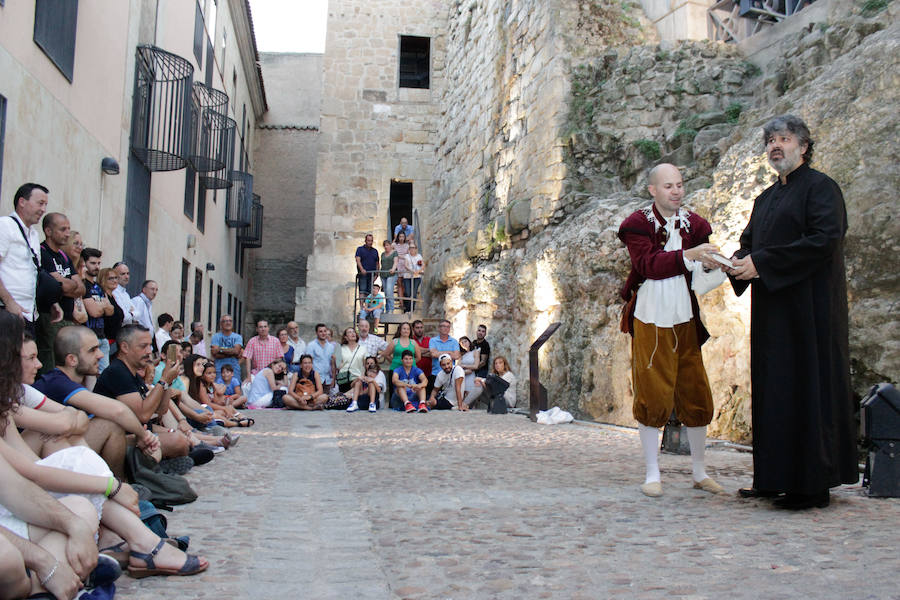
x,y
160,120
239,202
251,235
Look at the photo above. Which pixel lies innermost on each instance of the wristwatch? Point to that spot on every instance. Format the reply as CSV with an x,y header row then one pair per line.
x,y
164,384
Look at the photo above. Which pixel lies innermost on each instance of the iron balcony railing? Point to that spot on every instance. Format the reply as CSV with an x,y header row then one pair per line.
x,y
160,118
251,235
239,200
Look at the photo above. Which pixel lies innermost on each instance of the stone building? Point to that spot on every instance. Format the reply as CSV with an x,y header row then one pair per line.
x,y
533,144
67,101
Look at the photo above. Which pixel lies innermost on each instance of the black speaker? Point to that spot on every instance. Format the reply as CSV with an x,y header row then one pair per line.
x,y
880,424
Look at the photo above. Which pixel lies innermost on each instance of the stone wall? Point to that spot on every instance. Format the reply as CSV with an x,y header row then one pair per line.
x,y
531,196
372,131
286,144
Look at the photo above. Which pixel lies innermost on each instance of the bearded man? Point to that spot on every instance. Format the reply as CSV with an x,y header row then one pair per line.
x,y
792,253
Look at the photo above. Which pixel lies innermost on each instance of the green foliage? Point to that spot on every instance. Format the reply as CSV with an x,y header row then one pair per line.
x,y
687,128
649,148
733,112
870,8
500,233
750,69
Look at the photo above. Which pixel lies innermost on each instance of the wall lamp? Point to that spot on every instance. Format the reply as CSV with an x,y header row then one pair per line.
x,y
210,267
110,166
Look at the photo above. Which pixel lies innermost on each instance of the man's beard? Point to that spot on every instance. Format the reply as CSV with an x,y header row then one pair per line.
x,y
788,162
84,369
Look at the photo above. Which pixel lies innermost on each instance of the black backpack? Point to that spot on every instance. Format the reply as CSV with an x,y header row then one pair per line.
x,y
495,387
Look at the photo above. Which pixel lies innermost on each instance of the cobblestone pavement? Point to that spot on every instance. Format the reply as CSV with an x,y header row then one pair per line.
x,y
452,505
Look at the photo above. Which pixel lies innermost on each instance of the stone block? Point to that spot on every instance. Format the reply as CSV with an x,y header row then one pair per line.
x,y
518,216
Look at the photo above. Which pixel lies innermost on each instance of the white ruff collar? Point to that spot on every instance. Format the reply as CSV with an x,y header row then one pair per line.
x,y
682,221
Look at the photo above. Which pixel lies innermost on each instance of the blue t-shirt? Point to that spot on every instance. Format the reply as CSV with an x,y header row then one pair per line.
x,y
229,389
437,348
412,376
368,257
227,341
409,231
57,386
177,384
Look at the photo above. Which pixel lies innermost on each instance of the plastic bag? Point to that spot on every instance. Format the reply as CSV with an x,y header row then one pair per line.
x,y
554,416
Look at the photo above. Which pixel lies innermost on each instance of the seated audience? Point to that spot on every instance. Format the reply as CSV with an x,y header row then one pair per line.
x,y
371,385
349,360
308,387
373,305
448,386
77,358
409,385
469,361
198,339
269,387
120,381
234,395
177,332
501,369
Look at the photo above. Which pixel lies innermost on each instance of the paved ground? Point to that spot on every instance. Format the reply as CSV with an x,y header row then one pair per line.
x,y
451,505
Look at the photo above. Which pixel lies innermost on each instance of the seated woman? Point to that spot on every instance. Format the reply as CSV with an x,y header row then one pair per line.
x,y
270,386
349,360
202,388
469,362
308,393
501,370
79,470
371,384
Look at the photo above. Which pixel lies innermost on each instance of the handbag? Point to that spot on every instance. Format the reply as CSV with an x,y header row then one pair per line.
x,y
343,377
703,281
47,290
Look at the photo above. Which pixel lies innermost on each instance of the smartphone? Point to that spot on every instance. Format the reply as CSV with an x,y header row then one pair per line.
x,y
172,353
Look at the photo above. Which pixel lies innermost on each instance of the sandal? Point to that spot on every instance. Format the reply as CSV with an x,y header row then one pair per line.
x,y
192,564
117,553
243,422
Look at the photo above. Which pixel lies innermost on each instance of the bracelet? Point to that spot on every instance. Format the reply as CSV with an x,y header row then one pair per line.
x,y
109,486
50,575
116,491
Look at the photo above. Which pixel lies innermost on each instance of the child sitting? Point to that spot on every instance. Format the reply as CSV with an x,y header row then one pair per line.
x,y
233,393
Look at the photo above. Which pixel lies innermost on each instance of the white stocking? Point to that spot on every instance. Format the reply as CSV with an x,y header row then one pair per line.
x,y
697,438
650,444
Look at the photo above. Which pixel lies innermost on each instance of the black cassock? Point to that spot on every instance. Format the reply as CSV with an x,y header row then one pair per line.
x,y
804,437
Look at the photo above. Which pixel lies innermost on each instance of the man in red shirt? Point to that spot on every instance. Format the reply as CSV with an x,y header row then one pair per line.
x,y
261,349
418,330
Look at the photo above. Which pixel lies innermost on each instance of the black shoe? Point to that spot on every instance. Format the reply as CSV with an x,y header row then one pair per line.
x,y
752,492
804,501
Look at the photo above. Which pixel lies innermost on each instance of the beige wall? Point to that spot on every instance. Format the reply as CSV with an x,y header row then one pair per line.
x,y
371,132
58,132
678,19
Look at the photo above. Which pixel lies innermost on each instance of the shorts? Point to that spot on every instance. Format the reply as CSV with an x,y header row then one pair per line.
x,y
668,373
443,404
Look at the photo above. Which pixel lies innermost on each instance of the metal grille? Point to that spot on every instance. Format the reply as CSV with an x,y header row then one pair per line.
x,y
239,202
251,236
209,129
220,131
161,112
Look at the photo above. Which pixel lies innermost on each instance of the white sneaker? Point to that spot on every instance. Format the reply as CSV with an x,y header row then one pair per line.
x,y
353,407
372,407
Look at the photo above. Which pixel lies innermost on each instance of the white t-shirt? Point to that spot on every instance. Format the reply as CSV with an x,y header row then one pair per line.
x,y
162,336
17,270
447,381
32,398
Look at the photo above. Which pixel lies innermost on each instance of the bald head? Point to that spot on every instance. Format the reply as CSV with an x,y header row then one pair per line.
x,y
667,188
660,170
68,341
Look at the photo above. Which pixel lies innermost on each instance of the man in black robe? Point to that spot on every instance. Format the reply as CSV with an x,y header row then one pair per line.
x,y
792,252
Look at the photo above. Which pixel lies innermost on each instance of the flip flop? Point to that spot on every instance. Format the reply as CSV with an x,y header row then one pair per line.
x,y
192,565
244,422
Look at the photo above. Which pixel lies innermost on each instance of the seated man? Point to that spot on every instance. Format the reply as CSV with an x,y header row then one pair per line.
x,y
120,381
409,381
78,355
448,386
234,395
373,305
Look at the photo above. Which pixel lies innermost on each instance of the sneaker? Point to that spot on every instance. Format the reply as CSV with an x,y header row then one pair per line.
x,y
372,407
353,407
423,407
409,407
